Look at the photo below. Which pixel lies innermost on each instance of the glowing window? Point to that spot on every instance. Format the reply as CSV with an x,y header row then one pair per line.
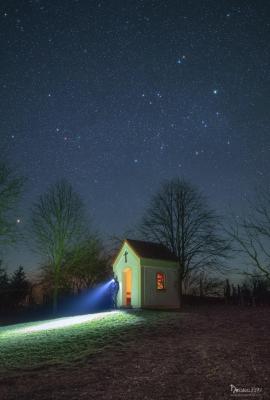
x,y
160,281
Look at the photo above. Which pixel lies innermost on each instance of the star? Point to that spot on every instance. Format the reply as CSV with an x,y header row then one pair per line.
x,y
180,59
162,147
204,123
215,91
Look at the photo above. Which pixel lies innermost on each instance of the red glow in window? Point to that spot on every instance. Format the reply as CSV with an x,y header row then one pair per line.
x,y
160,281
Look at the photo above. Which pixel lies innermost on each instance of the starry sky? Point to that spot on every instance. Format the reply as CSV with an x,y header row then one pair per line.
x,y
117,96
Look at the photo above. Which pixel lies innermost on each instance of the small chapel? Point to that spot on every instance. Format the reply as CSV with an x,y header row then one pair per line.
x,y
148,275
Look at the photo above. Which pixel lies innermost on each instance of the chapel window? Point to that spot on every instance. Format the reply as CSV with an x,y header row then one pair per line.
x,y
160,281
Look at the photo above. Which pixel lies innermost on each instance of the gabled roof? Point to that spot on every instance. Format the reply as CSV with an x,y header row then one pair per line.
x,y
151,250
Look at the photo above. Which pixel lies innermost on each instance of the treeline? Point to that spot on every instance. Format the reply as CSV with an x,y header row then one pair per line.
x,y
251,292
14,288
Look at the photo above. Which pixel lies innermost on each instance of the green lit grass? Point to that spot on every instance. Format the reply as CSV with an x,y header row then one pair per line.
x,y
23,347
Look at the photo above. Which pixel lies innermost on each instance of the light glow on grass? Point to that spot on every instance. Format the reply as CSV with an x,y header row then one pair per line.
x,y
60,323
65,322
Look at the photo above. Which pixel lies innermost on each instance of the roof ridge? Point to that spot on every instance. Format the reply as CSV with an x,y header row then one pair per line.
x,y
145,241
151,250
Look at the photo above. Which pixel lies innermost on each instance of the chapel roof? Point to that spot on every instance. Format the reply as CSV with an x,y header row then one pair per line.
x,y
152,250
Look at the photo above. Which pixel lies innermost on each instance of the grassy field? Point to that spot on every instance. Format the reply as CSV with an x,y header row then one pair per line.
x,y
197,353
64,340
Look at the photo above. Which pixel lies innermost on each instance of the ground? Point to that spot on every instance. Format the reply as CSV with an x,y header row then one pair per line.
x,y
194,354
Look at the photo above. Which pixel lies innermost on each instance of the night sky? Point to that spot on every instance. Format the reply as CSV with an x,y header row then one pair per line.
x,y
117,96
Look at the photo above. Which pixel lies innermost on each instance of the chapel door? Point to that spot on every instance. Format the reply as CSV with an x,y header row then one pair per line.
x,y
127,287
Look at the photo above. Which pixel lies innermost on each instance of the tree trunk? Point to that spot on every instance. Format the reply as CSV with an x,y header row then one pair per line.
x,y
180,288
201,287
55,290
55,295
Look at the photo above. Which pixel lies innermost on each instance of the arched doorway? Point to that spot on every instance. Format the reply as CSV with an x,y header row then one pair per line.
x,y
127,287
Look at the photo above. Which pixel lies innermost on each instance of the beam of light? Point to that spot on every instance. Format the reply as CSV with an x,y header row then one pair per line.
x,y
92,298
60,323
100,290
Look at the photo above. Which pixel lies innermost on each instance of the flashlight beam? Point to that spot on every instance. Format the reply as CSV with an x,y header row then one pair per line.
x,y
65,322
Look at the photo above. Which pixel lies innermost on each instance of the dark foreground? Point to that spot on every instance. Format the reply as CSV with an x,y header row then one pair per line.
x,y
195,354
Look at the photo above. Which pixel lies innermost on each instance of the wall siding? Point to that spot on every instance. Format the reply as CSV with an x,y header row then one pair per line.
x,y
155,298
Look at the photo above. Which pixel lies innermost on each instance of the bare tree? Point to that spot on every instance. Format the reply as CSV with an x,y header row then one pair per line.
x,y
179,218
11,186
251,235
57,225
